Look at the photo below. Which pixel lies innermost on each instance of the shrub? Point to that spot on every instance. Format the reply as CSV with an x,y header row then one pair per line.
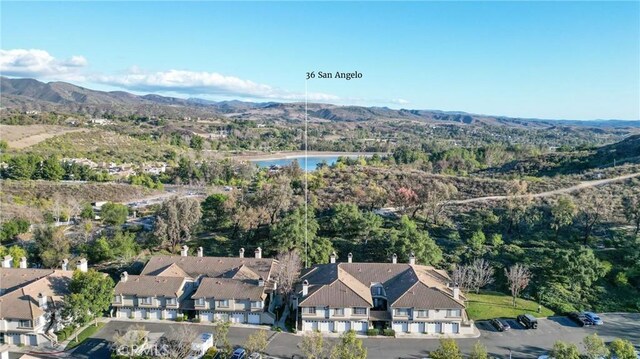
x,y
389,332
373,332
179,319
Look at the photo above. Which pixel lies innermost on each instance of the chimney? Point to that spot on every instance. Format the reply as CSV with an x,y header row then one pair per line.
x,y
412,258
82,265
23,262
394,258
350,257
258,252
184,251
305,288
456,292
333,257
261,282
6,263
200,251
42,300
65,264
241,254
124,276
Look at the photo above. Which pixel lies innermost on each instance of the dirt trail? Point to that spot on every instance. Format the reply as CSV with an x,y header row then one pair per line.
x,y
579,186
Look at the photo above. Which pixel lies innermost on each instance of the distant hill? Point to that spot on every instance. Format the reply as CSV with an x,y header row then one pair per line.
x,y
30,94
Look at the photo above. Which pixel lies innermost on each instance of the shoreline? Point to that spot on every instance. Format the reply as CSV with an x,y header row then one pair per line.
x,y
299,154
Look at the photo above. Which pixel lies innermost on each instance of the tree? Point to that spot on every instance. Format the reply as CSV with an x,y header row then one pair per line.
x,y
448,350
52,170
124,245
127,342
176,220
90,295
476,243
15,251
593,208
313,346
621,349
51,245
87,212
179,344
479,351
594,347
23,167
349,347
408,238
462,276
481,273
518,277
275,197
292,232
562,350
214,211
220,334
196,142
289,266
100,250
562,213
114,213
257,342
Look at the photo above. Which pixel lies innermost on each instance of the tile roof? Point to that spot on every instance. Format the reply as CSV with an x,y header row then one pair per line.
x,y
149,286
228,288
348,285
23,285
210,266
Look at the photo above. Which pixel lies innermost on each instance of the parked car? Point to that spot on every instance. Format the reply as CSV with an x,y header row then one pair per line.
x,y
500,324
528,321
239,353
593,317
580,319
255,356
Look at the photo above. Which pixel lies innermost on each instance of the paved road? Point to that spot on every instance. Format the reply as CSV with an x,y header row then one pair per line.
x,y
523,343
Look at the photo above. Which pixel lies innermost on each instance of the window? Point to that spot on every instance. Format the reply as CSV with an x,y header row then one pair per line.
x,y
338,312
24,324
200,301
453,313
256,304
116,299
171,301
223,303
146,300
360,311
402,312
308,310
422,313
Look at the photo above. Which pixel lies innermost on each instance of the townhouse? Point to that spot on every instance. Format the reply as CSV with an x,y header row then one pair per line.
x,y
405,297
31,301
237,289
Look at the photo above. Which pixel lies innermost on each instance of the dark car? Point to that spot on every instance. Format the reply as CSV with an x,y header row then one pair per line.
x,y
528,321
580,319
239,354
500,324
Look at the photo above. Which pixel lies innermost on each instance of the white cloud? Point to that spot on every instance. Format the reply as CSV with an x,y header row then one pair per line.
x,y
205,83
37,63
399,101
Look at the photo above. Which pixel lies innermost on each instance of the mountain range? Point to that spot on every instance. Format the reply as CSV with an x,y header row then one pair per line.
x,y
29,94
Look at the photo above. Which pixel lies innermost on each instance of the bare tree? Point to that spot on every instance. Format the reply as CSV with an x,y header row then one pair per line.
x,y
481,273
257,342
462,276
176,219
593,209
74,207
631,206
518,277
131,341
179,341
289,266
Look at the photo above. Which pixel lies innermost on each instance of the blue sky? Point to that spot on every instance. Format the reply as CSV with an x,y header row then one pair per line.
x,y
573,60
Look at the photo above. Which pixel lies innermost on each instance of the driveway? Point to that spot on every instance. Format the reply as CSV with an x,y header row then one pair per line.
x,y
522,343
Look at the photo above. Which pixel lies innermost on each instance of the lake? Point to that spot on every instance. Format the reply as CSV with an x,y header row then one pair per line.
x,y
312,161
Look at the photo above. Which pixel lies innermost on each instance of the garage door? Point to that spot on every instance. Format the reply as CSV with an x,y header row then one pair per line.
x,y
323,326
237,318
172,314
32,340
155,314
206,316
439,328
455,328
143,313
310,325
254,318
360,326
124,313
422,328
400,327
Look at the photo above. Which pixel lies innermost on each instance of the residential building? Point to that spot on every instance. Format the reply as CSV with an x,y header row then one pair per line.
x,y
237,289
405,297
31,301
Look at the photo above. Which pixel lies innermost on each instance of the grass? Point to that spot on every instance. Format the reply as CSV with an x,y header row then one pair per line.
x,y
83,335
489,305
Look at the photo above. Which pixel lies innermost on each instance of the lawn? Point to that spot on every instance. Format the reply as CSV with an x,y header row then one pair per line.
x,y
86,333
497,305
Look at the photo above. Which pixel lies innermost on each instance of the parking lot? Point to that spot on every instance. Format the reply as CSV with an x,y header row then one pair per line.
x,y
522,343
